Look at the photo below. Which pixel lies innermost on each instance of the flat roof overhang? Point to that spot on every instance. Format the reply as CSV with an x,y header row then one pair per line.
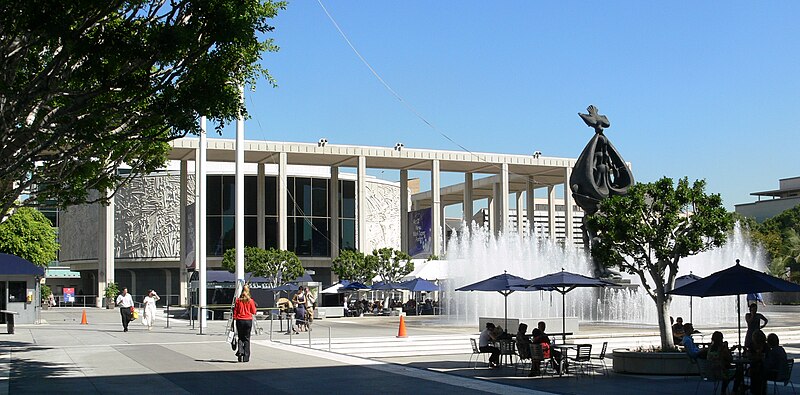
x,y
544,171
224,150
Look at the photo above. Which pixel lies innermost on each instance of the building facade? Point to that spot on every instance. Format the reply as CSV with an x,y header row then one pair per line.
x,y
785,197
313,199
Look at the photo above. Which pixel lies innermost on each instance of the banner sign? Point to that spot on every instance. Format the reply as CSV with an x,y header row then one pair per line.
x,y
69,295
419,233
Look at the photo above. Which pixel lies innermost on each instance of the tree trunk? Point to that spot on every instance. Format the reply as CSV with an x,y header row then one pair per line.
x,y
664,328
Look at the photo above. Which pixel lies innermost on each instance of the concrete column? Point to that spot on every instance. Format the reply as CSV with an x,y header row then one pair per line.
x,y
167,285
469,208
361,205
404,210
283,220
491,208
239,185
105,249
530,206
132,288
568,212
504,212
551,211
444,228
333,206
436,221
520,217
261,211
201,202
184,254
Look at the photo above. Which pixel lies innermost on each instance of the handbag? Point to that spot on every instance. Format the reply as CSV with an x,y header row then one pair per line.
x,y
232,338
134,314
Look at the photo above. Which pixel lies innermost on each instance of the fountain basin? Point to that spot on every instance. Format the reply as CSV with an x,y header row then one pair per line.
x,y
655,363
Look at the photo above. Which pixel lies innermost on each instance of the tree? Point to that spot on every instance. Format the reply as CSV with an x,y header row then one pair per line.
x,y
278,266
29,234
88,86
779,237
354,266
648,231
392,265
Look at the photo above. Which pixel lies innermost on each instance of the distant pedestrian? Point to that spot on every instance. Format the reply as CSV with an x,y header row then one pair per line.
x,y
311,302
755,298
149,303
243,312
125,303
300,309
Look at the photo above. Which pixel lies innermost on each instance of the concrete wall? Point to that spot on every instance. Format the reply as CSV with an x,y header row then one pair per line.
x,y
766,209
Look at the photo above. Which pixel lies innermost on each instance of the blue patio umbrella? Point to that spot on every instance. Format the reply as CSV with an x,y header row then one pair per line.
x,y
563,282
500,283
387,286
683,280
419,285
736,280
354,286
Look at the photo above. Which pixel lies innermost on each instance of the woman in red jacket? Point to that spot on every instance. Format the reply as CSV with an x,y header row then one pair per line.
x,y
243,314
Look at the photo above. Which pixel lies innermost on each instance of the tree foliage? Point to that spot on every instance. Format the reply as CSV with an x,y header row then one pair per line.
x,y
354,266
29,234
391,265
779,237
278,266
649,230
88,86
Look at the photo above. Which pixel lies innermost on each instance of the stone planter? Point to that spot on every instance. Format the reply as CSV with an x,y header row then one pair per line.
x,y
110,304
656,363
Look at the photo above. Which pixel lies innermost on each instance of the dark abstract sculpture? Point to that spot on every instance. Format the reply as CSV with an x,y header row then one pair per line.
x,y
600,172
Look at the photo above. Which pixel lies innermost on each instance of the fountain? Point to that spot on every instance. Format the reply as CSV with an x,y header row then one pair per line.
x,y
476,255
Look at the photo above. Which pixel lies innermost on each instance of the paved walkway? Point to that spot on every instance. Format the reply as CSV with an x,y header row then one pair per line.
x,y
62,356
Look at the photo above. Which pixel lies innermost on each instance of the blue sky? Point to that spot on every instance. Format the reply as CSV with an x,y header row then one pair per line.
x,y
698,89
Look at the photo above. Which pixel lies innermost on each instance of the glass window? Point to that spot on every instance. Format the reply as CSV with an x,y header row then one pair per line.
x,y
214,196
271,232
228,233
250,195
290,225
347,207
16,291
290,211
228,195
302,196
347,234
302,237
319,197
251,232
319,239
271,195
214,236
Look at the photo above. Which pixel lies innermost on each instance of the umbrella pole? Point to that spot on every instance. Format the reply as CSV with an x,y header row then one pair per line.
x,y
691,311
739,321
505,296
563,318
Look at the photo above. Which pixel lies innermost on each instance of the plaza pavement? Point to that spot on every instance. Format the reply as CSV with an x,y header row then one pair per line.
x,y
365,357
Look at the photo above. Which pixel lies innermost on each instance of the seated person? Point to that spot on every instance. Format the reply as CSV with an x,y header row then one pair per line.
x,y
523,342
484,345
555,355
775,360
688,343
536,335
719,357
677,331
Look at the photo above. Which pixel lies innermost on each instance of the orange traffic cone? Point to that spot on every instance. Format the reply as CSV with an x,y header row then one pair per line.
x,y
83,318
402,331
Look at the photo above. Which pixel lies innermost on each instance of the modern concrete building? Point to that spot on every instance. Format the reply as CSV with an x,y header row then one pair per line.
x,y
785,197
313,199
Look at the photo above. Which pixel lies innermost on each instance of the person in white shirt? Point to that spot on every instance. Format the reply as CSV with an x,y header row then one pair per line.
x,y
125,303
149,309
483,343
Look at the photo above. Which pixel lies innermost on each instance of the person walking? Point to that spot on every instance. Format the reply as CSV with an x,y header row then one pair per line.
x,y
149,303
311,300
125,303
243,311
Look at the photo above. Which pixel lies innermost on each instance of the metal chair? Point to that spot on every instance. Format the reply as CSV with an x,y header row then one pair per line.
x,y
522,359
537,356
508,350
707,372
784,376
583,357
476,352
602,357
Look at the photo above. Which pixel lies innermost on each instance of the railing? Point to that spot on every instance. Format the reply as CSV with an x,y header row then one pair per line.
x,y
291,330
